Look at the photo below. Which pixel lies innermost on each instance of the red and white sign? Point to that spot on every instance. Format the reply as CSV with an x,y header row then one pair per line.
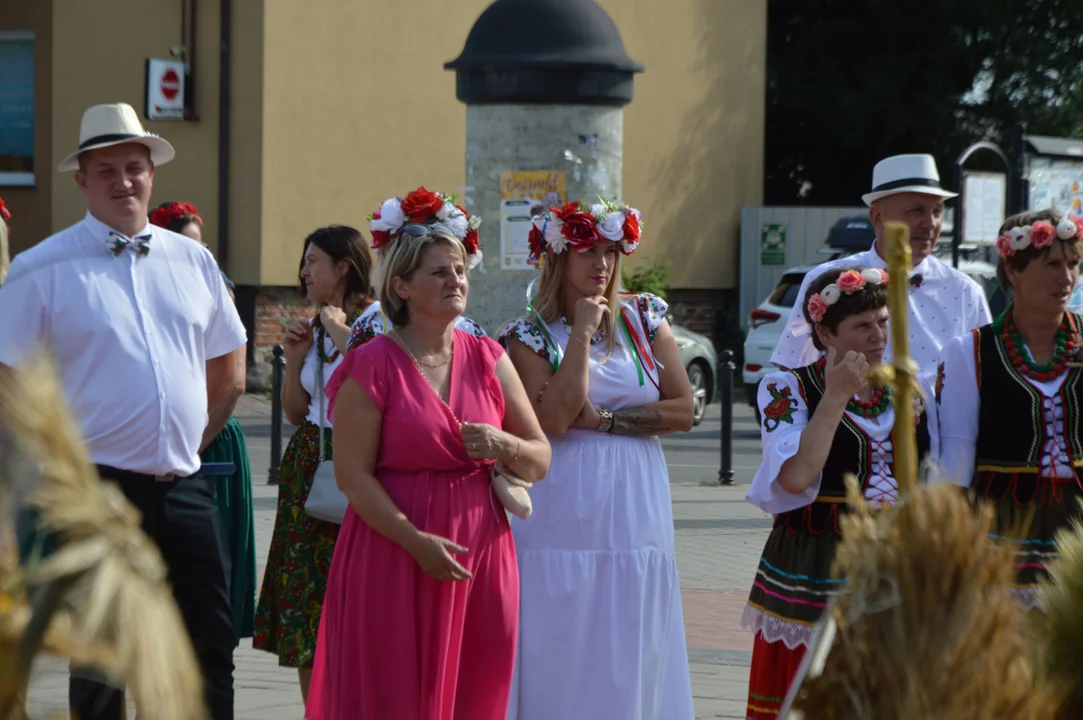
x,y
165,89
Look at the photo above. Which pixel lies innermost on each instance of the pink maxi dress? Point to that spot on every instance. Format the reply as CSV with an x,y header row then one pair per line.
x,y
394,642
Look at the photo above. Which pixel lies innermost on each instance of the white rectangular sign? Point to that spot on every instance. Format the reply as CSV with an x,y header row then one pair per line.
x,y
985,197
165,89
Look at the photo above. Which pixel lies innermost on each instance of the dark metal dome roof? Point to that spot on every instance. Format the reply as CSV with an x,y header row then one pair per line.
x,y
544,51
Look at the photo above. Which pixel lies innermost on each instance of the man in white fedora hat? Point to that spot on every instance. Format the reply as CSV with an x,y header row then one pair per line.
x,y
141,328
944,302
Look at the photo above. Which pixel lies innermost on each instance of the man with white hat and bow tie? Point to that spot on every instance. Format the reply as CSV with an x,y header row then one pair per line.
x,y
141,328
944,303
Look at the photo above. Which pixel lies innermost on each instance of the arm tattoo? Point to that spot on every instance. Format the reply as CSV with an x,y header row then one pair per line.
x,y
638,421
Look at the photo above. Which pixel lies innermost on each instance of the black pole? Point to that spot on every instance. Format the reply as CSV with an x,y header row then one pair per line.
x,y
278,370
725,474
960,215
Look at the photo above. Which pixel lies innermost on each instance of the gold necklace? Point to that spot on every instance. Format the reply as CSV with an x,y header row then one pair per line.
x,y
419,362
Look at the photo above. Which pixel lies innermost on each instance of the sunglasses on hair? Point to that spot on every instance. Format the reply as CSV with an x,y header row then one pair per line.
x,y
415,229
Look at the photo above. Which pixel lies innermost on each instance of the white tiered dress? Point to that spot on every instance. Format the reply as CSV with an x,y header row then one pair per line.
x,y
601,625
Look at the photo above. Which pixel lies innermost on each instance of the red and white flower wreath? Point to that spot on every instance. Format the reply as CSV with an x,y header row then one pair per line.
x,y
425,207
578,226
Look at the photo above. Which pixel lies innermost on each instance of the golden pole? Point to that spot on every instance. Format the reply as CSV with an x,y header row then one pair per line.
x,y
901,375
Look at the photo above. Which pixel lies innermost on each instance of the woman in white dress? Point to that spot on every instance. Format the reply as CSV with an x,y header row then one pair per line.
x,y
601,626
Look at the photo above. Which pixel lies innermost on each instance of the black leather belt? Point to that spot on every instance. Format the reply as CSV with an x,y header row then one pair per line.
x,y
106,471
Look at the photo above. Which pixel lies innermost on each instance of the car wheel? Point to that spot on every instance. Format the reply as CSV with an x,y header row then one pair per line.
x,y
697,378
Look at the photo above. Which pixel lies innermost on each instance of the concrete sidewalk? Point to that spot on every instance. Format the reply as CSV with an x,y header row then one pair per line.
x,y
719,539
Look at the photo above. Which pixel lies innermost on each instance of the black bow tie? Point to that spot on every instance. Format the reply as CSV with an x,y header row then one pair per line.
x,y
916,280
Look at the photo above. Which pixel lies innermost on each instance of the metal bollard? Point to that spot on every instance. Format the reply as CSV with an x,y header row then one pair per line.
x,y
278,370
727,367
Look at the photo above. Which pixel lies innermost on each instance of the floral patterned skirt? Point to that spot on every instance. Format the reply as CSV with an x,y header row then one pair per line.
x,y
290,601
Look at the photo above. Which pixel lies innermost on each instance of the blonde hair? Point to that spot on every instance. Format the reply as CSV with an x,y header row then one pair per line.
x,y
5,253
548,304
401,259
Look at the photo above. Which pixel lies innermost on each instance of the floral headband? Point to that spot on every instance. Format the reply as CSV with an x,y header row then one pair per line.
x,y
431,209
169,212
1039,235
848,282
581,226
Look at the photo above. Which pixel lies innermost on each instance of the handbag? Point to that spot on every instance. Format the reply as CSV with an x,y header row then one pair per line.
x,y
511,491
325,501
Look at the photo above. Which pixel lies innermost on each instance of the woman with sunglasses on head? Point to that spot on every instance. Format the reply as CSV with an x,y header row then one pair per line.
x,y
334,273
421,610
596,559
224,442
1010,396
821,423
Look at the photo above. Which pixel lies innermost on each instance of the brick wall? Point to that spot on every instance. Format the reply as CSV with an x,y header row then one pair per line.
x,y
712,313
266,313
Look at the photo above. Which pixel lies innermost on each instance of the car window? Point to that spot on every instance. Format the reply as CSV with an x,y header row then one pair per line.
x,y
785,295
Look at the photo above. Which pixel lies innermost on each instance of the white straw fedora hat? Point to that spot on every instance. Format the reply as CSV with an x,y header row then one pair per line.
x,y
905,173
105,125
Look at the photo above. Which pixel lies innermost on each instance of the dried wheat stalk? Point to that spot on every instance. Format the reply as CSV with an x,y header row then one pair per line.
x,y
118,613
927,628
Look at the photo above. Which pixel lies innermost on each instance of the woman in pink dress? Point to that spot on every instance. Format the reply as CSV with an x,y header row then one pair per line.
x,y
421,611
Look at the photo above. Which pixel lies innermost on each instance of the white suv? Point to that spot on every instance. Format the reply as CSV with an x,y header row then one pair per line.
x,y
765,325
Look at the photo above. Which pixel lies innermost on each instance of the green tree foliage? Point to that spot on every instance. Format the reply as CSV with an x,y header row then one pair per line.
x,y
853,81
651,277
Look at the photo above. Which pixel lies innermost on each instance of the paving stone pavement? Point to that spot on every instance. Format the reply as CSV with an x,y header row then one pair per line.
x,y
719,537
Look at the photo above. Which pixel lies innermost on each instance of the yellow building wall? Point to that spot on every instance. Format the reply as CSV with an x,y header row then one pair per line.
x,y
694,132
357,108
99,56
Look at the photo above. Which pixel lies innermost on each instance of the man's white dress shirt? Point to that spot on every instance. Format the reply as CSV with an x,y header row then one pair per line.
x,y
945,305
130,335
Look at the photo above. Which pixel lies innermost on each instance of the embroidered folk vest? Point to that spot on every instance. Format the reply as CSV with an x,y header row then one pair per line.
x,y
1011,428
850,454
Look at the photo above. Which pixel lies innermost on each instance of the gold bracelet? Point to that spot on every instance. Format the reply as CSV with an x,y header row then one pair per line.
x,y
585,346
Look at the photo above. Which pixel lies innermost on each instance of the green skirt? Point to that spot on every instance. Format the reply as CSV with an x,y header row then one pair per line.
x,y
234,496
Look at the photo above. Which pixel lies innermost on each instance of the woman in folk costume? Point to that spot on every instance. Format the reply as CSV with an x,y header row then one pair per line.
x,y
1011,395
602,631
334,273
821,422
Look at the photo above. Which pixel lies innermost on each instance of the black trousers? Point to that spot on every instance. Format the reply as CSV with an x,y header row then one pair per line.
x,y
182,517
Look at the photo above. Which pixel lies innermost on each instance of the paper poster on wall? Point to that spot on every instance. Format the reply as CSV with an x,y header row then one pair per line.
x,y
1056,183
523,194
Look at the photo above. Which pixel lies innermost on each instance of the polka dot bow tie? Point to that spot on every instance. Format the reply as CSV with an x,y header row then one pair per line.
x,y
118,243
916,280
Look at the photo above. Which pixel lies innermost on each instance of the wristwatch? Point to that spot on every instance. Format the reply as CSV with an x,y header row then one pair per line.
x,y
605,421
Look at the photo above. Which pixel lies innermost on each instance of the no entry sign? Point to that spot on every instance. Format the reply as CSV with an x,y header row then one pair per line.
x,y
165,89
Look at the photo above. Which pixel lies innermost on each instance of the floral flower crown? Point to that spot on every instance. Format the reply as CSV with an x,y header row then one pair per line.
x,y
1038,234
169,212
5,214
848,282
425,207
580,226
